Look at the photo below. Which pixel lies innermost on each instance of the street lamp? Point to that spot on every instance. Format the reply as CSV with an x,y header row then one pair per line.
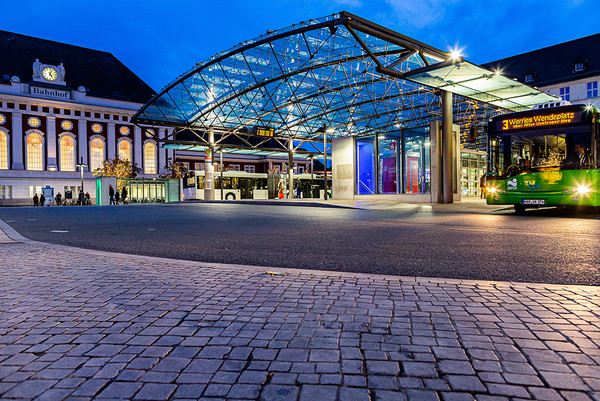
x,y
81,166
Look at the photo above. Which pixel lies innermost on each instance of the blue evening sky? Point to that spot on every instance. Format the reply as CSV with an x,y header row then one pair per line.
x,y
158,40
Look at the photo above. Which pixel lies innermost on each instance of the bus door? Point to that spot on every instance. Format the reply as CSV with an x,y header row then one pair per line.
x,y
244,188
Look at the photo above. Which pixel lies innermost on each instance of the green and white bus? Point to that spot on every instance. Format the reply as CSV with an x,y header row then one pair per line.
x,y
547,156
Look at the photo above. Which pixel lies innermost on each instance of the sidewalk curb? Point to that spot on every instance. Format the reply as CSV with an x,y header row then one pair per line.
x,y
416,280
270,203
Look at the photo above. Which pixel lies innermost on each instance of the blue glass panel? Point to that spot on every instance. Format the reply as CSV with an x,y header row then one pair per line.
x,y
365,166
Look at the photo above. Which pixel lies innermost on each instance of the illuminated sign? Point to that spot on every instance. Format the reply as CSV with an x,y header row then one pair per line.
x,y
264,131
541,120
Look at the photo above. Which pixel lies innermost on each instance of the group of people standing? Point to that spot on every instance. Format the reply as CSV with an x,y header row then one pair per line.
x,y
82,200
115,197
39,200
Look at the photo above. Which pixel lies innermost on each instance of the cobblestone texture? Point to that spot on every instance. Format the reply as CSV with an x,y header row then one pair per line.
x,y
78,324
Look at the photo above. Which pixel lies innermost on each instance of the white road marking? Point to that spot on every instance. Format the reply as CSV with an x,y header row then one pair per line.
x,y
58,231
31,219
152,229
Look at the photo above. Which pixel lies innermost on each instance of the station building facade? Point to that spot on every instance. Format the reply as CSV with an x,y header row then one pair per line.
x,y
63,105
569,70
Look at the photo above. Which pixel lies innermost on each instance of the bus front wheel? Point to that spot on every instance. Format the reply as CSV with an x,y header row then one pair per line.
x,y
230,196
519,209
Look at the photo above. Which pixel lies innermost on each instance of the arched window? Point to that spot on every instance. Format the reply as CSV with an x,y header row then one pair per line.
x,y
124,150
67,153
97,153
3,151
35,152
149,158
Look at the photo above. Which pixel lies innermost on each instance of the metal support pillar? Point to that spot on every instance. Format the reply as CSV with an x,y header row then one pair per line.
x,y
209,192
312,176
221,168
447,146
291,169
325,165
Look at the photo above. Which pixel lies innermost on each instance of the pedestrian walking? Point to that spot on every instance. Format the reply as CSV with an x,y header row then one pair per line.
x,y
42,200
81,199
483,186
111,195
117,197
124,195
87,199
58,199
36,200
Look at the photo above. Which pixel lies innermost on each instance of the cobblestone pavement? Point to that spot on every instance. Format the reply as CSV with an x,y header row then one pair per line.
x,y
80,324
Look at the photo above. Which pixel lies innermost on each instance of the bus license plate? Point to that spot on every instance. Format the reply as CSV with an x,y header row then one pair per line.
x,y
534,202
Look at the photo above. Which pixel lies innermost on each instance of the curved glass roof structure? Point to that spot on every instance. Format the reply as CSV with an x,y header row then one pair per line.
x,y
339,71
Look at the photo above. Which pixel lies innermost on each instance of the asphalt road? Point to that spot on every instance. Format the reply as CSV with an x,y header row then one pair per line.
x,y
543,246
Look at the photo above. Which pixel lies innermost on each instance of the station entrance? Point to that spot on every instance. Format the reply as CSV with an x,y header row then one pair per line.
x,y
382,112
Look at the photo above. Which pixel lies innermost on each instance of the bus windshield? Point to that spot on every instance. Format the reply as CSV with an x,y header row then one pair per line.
x,y
567,148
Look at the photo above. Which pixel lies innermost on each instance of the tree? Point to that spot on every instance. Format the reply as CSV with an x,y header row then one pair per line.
x,y
175,170
117,167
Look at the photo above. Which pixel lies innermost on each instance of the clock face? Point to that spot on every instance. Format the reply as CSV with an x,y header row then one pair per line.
x,y
49,74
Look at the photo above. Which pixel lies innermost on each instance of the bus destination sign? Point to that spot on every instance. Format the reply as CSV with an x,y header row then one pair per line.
x,y
540,120
264,131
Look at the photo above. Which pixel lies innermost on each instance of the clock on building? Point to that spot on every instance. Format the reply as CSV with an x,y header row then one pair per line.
x,y
49,74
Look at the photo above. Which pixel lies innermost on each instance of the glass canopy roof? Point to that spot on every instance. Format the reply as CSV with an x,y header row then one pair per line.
x,y
339,71
471,81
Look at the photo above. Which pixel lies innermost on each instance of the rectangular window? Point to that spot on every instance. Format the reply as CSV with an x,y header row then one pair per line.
x,y
592,89
35,189
389,147
199,166
365,166
565,93
250,169
6,192
234,167
528,78
578,67
417,175
300,169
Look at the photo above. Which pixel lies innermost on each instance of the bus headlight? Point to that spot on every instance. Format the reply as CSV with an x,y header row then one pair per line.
x,y
583,189
493,190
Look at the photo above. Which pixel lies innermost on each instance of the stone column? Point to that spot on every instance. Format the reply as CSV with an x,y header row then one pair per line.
x,y
138,144
111,143
209,192
82,141
447,145
162,153
291,169
51,144
16,138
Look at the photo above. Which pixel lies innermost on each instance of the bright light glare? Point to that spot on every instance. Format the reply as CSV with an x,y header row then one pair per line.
x,y
582,189
493,190
455,54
